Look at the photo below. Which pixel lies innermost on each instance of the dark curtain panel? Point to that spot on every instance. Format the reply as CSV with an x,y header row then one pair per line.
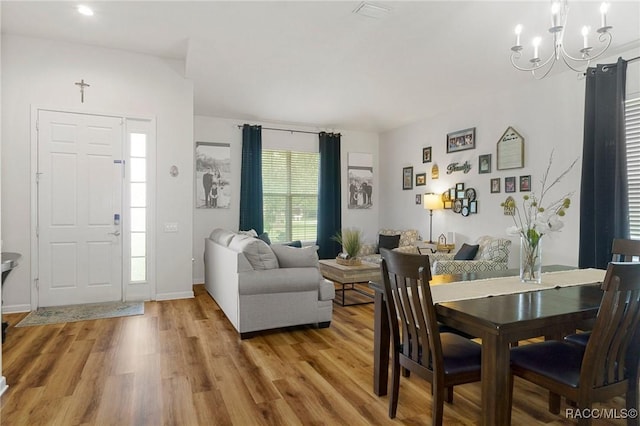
x,y
604,198
329,207
251,180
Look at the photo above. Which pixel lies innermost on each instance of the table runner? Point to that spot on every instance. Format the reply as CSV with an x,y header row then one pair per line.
x,y
475,289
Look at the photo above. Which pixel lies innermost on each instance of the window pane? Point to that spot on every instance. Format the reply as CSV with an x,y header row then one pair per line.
x,y
138,244
138,219
138,268
138,194
138,145
290,194
138,170
632,130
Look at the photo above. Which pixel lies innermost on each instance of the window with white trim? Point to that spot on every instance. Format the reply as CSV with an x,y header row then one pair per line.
x,y
290,194
632,127
138,206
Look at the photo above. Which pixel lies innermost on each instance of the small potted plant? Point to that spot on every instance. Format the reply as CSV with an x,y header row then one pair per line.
x,y
351,244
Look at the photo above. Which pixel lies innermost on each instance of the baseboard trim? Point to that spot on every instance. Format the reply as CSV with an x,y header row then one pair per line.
x,y
173,296
14,309
197,281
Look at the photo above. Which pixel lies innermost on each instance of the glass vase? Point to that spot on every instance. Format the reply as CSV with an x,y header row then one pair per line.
x,y
530,260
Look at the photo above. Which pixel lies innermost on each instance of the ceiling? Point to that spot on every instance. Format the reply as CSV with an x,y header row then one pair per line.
x,y
318,63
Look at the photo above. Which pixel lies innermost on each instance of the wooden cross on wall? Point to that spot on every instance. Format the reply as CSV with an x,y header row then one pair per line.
x,y
82,85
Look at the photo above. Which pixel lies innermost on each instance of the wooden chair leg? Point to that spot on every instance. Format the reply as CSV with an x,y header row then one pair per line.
x,y
448,394
510,396
437,404
395,386
632,401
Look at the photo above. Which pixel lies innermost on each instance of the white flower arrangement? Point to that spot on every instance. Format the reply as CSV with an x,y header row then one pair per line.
x,y
532,220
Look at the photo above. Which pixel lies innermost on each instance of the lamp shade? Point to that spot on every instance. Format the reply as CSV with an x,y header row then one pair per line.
x,y
433,202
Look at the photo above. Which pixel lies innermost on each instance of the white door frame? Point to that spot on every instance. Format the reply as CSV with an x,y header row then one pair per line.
x,y
149,291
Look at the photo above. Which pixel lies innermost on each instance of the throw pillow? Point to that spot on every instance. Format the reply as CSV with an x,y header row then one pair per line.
x,y
296,243
257,252
293,257
466,252
388,242
497,250
265,237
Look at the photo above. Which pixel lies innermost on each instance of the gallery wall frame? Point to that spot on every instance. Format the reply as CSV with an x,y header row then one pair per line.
x,y
407,178
510,150
484,163
426,154
495,185
510,184
461,140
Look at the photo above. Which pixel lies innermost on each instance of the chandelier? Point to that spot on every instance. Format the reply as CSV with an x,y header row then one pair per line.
x,y
540,68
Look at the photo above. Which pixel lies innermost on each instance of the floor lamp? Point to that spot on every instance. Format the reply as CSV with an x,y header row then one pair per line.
x,y
432,202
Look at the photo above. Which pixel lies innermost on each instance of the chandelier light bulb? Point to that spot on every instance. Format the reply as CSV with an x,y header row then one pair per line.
x,y
604,8
518,31
536,47
555,9
585,36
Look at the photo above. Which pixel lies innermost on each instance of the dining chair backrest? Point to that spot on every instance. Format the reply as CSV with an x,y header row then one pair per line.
x,y
624,250
406,287
614,341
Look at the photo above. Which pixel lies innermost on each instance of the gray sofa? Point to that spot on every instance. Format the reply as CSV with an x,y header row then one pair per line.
x,y
261,287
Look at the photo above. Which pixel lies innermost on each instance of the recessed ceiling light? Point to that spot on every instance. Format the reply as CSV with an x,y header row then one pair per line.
x,y
372,10
85,10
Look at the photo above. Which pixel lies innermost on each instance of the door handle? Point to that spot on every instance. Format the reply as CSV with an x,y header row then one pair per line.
x,y
116,233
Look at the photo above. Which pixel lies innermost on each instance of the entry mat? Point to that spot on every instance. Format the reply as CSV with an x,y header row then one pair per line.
x,y
87,312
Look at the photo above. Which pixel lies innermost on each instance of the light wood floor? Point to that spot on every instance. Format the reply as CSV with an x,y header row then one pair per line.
x,y
183,364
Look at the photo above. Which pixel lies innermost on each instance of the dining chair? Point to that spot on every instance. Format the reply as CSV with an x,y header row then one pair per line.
x,y
623,250
608,363
443,359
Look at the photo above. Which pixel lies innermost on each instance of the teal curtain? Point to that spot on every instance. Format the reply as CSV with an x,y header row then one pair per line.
x,y
251,180
604,197
329,207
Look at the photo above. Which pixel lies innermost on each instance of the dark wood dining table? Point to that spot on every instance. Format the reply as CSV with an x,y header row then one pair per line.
x,y
498,321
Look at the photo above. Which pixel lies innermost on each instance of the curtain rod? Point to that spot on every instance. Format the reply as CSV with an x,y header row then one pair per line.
x,y
286,130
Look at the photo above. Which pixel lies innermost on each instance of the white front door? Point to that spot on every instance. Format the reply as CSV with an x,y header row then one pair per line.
x,y
80,179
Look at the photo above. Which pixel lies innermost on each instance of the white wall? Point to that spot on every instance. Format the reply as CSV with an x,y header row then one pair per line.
x,y
3,380
41,73
547,113
210,129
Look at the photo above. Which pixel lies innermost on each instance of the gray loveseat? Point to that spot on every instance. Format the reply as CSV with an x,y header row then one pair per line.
x,y
261,287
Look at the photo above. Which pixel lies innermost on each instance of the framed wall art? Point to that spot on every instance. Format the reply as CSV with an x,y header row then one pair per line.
x,y
421,179
360,172
525,183
484,164
510,184
418,198
426,155
213,175
495,185
510,150
461,140
407,178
